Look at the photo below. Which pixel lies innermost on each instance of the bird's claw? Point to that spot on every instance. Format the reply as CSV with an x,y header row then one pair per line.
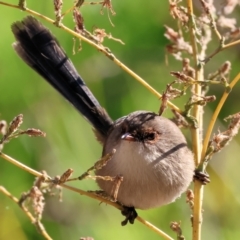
x,y
130,214
201,176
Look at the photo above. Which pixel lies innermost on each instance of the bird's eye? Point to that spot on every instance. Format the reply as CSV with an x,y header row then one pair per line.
x,y
150,136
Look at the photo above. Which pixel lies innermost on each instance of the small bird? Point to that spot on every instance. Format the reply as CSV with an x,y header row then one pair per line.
x,y
151,154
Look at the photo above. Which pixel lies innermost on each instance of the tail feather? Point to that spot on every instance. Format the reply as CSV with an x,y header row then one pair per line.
x,y
41,51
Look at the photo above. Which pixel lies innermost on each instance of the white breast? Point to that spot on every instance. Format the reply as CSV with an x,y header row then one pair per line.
x,y
147,181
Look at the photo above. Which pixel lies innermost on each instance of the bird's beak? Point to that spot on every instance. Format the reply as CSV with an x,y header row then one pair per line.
x,y
128,136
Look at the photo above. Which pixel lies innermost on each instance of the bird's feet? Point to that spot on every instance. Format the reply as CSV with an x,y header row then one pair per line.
x,y
130,214
203,177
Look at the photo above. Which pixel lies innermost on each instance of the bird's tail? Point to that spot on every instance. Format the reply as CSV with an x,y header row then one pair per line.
x,y
41,51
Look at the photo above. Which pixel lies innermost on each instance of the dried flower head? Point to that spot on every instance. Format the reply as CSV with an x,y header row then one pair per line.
x,y
221,139
169,94
38,201
190,197
228,23
107,4
178,44
178,12
100,34
66,175
32,132
58,10
78,19
15,124
176,227
229,6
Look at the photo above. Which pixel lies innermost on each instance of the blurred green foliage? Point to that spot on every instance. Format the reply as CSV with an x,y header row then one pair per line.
x,y
70,142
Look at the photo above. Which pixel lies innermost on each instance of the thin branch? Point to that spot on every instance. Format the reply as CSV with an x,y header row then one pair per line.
x,y
222,46
219,49
20,165
231,44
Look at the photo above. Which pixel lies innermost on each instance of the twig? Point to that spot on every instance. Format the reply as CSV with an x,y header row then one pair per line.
x,y
231,44
20,165
222,46
219,49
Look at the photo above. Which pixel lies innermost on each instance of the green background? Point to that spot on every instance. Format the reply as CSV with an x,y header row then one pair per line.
x,y
70,142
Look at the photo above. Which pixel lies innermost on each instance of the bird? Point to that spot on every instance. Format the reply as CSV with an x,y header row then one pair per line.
x,y
151,153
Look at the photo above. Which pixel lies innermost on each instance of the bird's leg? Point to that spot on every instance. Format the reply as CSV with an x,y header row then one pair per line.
x,y
201,176
130,214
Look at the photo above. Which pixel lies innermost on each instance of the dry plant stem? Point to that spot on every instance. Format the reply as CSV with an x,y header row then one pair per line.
x,y
146,223
197,88
102,49
38,224
215,115
20,165
196,137
153,228
89,194
222,46
231,44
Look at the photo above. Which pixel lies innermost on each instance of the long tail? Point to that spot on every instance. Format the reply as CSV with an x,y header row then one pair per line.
x,y
41,51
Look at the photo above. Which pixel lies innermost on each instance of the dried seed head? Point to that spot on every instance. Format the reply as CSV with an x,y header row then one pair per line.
x,y
15,124
179,13
227,23
78,19
100,34
66,175
170,34
178,44
107,4
38,202
221,139
234,123
176,227
169,94
225,68
229,6
104,160
58,9
189,195
32,132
